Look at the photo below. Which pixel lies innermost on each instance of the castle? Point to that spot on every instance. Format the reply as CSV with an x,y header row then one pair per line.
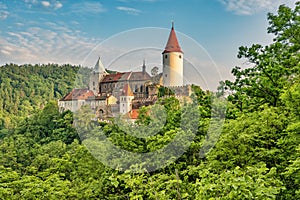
x,y
124,93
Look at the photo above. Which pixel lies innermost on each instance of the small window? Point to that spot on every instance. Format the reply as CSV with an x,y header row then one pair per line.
x,y
93,83
166,75
180,56
166,56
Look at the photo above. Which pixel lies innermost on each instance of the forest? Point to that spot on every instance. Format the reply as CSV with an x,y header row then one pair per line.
x,y
257,156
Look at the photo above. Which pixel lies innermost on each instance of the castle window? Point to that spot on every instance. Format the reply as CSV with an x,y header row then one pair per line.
x,y
93,83
166,56
180,56
166,75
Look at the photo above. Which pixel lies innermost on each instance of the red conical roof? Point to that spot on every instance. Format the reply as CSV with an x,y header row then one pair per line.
x,y
172,45
127,91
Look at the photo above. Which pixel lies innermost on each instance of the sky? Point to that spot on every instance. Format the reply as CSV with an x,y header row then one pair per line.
x,y
125,32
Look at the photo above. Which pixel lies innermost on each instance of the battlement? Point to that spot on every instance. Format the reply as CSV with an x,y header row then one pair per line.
x,y
185,90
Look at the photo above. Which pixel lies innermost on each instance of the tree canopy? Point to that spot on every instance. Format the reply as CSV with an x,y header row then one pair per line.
x,y
256,157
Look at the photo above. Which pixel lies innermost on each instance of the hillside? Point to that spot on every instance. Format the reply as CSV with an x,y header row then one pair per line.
x,y
24,89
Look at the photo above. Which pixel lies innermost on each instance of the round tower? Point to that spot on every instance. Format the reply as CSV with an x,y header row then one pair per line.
x,y
172,62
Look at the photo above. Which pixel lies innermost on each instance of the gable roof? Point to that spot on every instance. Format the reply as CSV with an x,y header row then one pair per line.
x,y
112,77
78,94
139,76
126,76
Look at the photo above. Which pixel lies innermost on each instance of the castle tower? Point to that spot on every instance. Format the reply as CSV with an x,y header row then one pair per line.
x,y
172,61
126,100
144,67
96,76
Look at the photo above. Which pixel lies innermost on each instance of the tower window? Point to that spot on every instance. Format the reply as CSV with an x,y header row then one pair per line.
x,y
166,56
180,56
93,83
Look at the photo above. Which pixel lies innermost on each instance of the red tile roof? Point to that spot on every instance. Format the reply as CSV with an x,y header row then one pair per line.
x,y
125,76
172,44
113,77
127,91
78,94
134,114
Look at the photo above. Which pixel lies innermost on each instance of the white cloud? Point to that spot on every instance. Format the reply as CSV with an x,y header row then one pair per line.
x,y
46,3
128,10
250,7
3,14
5,52
53,4
3,11
58,5
88,7
45,45
31,1
19,24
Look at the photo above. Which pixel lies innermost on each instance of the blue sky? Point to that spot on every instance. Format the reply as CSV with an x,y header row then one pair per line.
x,y
76,32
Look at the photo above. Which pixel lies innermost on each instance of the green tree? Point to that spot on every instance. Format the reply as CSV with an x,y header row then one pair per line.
x,y
271,67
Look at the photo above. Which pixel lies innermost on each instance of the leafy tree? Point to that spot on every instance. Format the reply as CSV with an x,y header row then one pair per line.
x,y
271,67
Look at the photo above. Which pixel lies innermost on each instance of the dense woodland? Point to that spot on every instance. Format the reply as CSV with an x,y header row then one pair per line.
x,y
256,157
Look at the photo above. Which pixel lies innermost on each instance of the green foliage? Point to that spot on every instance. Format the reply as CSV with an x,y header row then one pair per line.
x,y
256,156
25,89
165,91
253,182
271,67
